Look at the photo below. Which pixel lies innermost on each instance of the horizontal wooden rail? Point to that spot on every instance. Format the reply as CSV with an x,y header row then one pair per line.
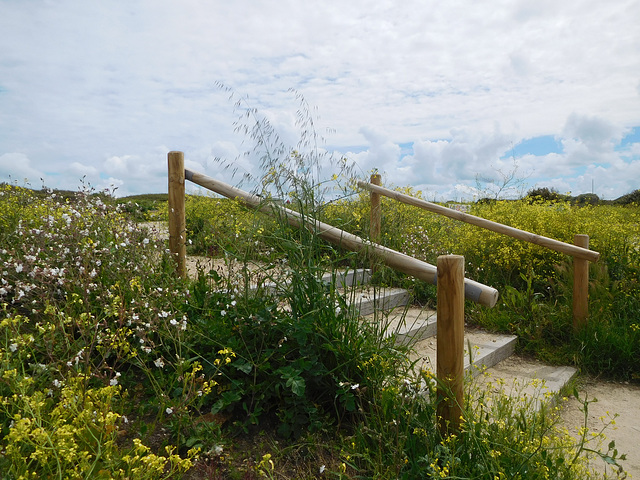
x,y
474,291
550,243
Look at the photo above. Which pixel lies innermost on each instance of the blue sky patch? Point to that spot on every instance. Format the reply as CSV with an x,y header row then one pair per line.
x,y
538,146
632,137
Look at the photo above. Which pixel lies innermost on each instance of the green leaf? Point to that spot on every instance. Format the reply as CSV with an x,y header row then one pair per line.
x,y
297,385
243,366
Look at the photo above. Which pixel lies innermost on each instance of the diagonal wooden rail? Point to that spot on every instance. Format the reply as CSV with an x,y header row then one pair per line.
x,y
473,290
580,251
573,250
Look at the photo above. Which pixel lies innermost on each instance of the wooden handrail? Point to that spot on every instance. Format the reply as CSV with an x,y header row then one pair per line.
x,y
550,243
474,291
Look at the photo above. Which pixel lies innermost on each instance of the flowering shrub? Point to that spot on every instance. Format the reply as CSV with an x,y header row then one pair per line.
x,y
219,225
75,436
89,308
503,434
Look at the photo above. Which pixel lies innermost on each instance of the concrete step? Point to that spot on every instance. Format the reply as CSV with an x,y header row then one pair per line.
x,y
344,279
349,278
482,350
406,323
367,300
529,380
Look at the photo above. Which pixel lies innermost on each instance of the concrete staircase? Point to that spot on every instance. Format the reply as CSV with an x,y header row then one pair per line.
x,y
393,311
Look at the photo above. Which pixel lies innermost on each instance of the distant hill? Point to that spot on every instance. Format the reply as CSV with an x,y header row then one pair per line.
x,y
551,195
633,197
152,197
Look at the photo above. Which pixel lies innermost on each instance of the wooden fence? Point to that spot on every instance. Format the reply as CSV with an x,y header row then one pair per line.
x,y
580,251
448,274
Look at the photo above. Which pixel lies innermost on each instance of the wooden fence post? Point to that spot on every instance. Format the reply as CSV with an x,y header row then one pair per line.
x,y
450,342
177,223
580,285
376,219
376,214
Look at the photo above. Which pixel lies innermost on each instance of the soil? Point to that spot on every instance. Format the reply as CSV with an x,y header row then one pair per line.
x,y
621,399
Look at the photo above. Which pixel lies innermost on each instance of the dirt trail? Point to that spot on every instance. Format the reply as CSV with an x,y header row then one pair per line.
x,y
613,398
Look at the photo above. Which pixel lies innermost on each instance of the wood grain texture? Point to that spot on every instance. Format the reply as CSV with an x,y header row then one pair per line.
x,y
177,222
450,342
376,213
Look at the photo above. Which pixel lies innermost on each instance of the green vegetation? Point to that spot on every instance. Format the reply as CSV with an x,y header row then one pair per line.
x,y
144,208
114,368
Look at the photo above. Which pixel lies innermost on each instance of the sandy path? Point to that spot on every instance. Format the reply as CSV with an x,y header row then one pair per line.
x,y
613,398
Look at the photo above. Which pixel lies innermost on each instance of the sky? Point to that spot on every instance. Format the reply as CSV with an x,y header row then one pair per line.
x,y
452,98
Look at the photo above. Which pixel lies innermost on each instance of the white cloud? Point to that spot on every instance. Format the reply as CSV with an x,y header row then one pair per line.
x,y
16,168
77,168
466,155
381,151
596,134
98,87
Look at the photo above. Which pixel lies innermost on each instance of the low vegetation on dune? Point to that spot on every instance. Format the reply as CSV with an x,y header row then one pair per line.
x,y
113,367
